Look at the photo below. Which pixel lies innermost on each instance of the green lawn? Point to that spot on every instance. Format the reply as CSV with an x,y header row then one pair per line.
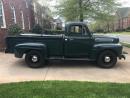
x,y
62,89
125,44
125,33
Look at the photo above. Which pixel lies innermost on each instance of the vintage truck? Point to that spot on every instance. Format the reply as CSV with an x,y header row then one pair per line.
x,y
75,43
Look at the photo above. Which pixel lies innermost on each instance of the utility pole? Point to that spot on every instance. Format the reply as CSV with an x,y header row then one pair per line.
x,y
81,16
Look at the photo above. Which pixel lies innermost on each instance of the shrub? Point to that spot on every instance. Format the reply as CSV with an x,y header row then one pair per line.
x,y
37,29
14,29
123,30
118,30
128,29
54,32
99,30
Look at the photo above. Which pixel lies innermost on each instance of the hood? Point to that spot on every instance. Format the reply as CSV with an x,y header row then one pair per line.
x,y
106,39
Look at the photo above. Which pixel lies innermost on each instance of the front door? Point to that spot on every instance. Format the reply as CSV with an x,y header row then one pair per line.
x,y
78,42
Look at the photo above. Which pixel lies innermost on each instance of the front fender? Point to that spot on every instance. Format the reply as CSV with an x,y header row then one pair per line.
x,y
98,48
21,49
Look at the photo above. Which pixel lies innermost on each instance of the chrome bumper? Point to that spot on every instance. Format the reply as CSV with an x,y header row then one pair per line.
x,y
122,56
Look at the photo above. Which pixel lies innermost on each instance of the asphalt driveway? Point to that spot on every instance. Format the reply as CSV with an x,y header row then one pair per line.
x,y
15,70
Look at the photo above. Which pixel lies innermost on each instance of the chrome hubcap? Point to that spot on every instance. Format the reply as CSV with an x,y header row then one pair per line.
x,y
34,58
107,59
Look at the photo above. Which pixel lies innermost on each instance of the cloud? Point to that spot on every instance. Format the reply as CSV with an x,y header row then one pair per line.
x,y
125,3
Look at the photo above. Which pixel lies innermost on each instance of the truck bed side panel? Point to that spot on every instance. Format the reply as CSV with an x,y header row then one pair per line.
x,y
54,44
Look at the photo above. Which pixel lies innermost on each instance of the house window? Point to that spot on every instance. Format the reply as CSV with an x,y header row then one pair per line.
x,y
29,23
34,5
2,16
26,3
22,19
13,14
36,20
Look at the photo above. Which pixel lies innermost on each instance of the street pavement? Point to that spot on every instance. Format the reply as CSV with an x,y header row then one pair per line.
x,y
15,70
123,38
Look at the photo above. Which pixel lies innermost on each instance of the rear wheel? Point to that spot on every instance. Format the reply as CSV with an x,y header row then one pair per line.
x,y
107,59
34,59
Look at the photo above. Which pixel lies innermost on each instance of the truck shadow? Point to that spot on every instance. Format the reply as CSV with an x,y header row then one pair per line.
x,y
59,64
71,64
64,64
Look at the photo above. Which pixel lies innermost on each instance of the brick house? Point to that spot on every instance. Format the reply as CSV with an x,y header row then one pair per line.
x,y
42,15
15,12
122,18
58,24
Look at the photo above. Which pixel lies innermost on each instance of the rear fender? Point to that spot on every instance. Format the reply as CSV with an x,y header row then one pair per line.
x,y
21,49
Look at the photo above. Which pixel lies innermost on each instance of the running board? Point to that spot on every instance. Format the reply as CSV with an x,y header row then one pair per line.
x,y
71,59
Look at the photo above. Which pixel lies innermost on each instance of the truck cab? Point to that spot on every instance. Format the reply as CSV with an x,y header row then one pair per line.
x,y
78,41
75,43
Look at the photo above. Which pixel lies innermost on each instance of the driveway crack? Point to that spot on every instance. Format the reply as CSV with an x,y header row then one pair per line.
x,y
46,73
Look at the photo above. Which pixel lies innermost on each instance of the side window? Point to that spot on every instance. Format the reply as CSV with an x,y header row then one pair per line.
x,y
78,30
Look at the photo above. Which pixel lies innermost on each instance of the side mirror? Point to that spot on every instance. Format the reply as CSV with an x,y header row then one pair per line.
x,y
92,32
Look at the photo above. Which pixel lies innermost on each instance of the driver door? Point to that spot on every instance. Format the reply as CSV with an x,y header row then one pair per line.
x,y
78,42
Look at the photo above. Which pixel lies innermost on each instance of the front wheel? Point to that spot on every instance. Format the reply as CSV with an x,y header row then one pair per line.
x,y
107,59
34,59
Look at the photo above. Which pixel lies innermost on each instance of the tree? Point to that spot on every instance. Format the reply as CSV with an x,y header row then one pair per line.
x,y
108,22
37,29
105,24
85,9
81,10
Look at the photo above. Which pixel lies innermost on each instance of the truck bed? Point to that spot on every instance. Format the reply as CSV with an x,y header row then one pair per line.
x,y
54,42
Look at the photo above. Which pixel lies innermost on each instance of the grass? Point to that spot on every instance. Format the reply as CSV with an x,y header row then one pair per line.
x,y
64,89
125,44
125,33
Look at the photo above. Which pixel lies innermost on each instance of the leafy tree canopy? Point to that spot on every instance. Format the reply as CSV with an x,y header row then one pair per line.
x,y
74,10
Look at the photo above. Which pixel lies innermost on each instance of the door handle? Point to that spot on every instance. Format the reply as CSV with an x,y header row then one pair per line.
x,y
66,39
71,39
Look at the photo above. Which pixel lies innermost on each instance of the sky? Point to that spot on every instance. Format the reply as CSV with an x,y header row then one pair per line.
x,y
48,2
52,3
125,3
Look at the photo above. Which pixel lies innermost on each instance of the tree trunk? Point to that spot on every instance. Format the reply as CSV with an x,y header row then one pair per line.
x,y
81,18
108,27
122,24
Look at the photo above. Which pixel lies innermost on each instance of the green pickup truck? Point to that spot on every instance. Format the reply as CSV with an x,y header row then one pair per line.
x,y
75,43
